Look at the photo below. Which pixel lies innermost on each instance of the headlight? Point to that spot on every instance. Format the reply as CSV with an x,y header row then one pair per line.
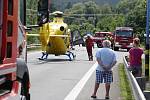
x,y
131,43
117,43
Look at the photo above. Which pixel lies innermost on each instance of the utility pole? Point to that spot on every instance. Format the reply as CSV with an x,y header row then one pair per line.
x,y
147,41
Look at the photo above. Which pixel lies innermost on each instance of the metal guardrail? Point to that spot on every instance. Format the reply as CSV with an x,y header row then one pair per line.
x,y
137,92
33,46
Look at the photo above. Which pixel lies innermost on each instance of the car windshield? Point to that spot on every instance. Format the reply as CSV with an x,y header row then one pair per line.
x,y
124,33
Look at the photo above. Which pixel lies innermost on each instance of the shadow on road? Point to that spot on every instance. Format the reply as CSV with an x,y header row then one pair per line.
x,y
51,60
37,61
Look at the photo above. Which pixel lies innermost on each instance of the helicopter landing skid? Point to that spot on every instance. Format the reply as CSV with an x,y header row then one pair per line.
x,y
70,55
44,56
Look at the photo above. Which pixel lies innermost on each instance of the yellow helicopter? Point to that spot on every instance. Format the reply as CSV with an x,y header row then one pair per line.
x,y
55,37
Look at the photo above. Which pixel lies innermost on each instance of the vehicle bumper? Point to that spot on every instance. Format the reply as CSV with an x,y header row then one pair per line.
x,y
119,46
124,47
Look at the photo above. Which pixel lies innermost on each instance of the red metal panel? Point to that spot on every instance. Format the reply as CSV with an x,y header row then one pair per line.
x,y
6,66
9,63
13,39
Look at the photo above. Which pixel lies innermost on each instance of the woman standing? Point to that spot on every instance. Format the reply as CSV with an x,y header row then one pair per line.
x,y
135,60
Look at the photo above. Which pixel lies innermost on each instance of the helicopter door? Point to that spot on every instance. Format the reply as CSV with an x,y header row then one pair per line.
x,y
1,15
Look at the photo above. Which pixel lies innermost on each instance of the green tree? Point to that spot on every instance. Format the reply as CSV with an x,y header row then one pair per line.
x,y
31,19
52,7
69,5
135,15
106,9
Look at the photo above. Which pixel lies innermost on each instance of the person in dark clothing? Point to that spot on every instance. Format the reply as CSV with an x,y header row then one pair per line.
x,y
89,45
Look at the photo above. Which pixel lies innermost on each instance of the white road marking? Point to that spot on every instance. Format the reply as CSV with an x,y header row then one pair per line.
x,y
77,89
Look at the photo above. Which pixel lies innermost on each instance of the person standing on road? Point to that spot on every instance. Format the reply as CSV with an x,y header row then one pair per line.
x,y
89,45
135,60
106,59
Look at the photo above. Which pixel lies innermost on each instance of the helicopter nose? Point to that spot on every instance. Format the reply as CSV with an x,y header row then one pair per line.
x,y
62,28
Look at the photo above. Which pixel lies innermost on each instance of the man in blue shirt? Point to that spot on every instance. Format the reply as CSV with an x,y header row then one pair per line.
x,y
106,59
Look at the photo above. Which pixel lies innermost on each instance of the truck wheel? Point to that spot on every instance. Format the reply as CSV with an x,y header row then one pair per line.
x,y
98,45
112,46
25,95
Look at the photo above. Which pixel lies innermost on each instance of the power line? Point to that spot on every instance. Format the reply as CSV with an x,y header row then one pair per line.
x,y
93,15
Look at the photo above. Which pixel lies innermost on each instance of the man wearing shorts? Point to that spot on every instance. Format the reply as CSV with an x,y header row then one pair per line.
x,y
106,59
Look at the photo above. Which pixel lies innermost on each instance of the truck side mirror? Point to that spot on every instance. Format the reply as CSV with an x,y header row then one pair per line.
x,y
43,12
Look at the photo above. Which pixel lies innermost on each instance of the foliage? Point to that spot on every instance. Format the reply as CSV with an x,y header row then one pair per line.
x,y
104,17
130,13
31,19
109,23
31,11
135,13
106,9
85,23
66,4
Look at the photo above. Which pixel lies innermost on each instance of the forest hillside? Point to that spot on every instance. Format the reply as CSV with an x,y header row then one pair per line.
x,y
63,4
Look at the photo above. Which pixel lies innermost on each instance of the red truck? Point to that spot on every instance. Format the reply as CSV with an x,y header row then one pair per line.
x,y
14,74
100,36
123,38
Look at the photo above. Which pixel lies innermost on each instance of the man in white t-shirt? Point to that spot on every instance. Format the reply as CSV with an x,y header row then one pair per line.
x,y
106,59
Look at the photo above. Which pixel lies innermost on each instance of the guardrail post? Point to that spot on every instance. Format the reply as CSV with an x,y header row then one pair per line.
x,y
147,95
141,81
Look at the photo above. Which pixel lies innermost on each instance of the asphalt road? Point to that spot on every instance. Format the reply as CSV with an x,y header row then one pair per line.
x,y
57,78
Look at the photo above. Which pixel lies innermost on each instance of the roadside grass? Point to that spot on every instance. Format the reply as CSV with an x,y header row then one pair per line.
x,y
125,88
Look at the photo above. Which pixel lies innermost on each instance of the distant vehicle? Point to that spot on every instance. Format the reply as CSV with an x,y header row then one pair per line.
x,y
99,37
123,38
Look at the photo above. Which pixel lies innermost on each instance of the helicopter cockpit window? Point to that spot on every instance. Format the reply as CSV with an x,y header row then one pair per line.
x,y
1,16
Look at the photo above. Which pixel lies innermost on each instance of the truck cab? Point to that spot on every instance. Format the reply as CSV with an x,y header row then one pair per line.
x,y
100,36
123,38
